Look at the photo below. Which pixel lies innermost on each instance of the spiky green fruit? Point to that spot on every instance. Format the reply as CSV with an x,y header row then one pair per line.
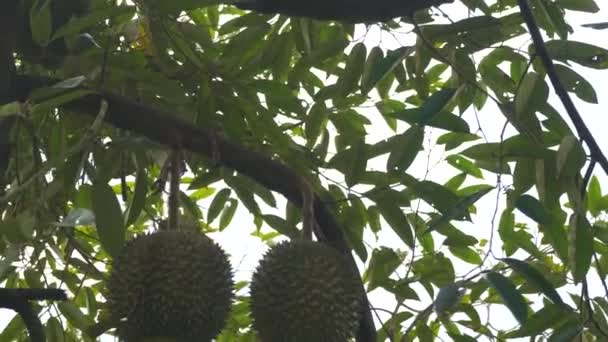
x,y
304,291
170,284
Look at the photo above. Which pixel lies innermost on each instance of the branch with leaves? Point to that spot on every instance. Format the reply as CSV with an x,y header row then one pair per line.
x,y
560,90
166,129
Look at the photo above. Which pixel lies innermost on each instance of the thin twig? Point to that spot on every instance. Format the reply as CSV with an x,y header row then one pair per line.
x,y
560,90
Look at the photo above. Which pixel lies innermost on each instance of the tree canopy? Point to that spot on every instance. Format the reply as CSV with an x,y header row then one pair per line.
x,y
284,122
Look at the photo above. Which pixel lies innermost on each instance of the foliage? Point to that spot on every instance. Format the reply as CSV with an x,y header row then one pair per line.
x,y
355,120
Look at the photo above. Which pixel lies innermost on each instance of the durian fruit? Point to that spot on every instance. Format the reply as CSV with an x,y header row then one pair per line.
x,y
304,291
170,284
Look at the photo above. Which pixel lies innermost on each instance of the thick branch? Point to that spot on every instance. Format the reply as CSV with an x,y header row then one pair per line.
x,y
18,301
8,9
169,130
562,93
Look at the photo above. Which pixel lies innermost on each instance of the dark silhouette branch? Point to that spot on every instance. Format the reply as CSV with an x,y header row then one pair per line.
x,y
560,90
8,25
18,301
166,129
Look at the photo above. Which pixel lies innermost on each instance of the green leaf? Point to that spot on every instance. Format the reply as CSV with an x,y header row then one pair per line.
x,y
245,45
515,147
567,332
462,338
54,330
13,330
584,54
524,175
576,84
511,297
458,210
41,21
218,203
377,67
532,208
443,120
349,78
535,278
108,218
138,200
357,163
383,263
281,226
531,95
435,194
435,268
243,191
452,140
464,165
549,317
228,213
579,5
80,24
571,157
373,218
73,314
597,26
580,246
315,122
466,254
396,219
407,147
595,202
436,103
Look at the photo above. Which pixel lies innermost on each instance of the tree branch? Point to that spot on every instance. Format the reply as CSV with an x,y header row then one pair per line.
x,y
18,301
8,24
562,93
168,130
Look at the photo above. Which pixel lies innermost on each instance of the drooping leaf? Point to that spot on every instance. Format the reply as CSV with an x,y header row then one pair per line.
x,y
349,78
73,314
571,157
228,213
108,218
280,225
383,263
435,268
575,83
536,278
218,203
532,208
580,246
597,26
567,332
584,54
510,295
41,21
579,5
407,147
138,200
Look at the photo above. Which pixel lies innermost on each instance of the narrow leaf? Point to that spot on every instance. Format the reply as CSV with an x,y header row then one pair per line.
x,y
108,218
216,206
138,200
510,295
536,278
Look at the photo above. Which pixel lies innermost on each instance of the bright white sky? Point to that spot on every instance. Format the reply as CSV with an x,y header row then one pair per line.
x,y
245,250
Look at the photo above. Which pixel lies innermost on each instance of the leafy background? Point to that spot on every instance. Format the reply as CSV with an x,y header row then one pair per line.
x,y
405,136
